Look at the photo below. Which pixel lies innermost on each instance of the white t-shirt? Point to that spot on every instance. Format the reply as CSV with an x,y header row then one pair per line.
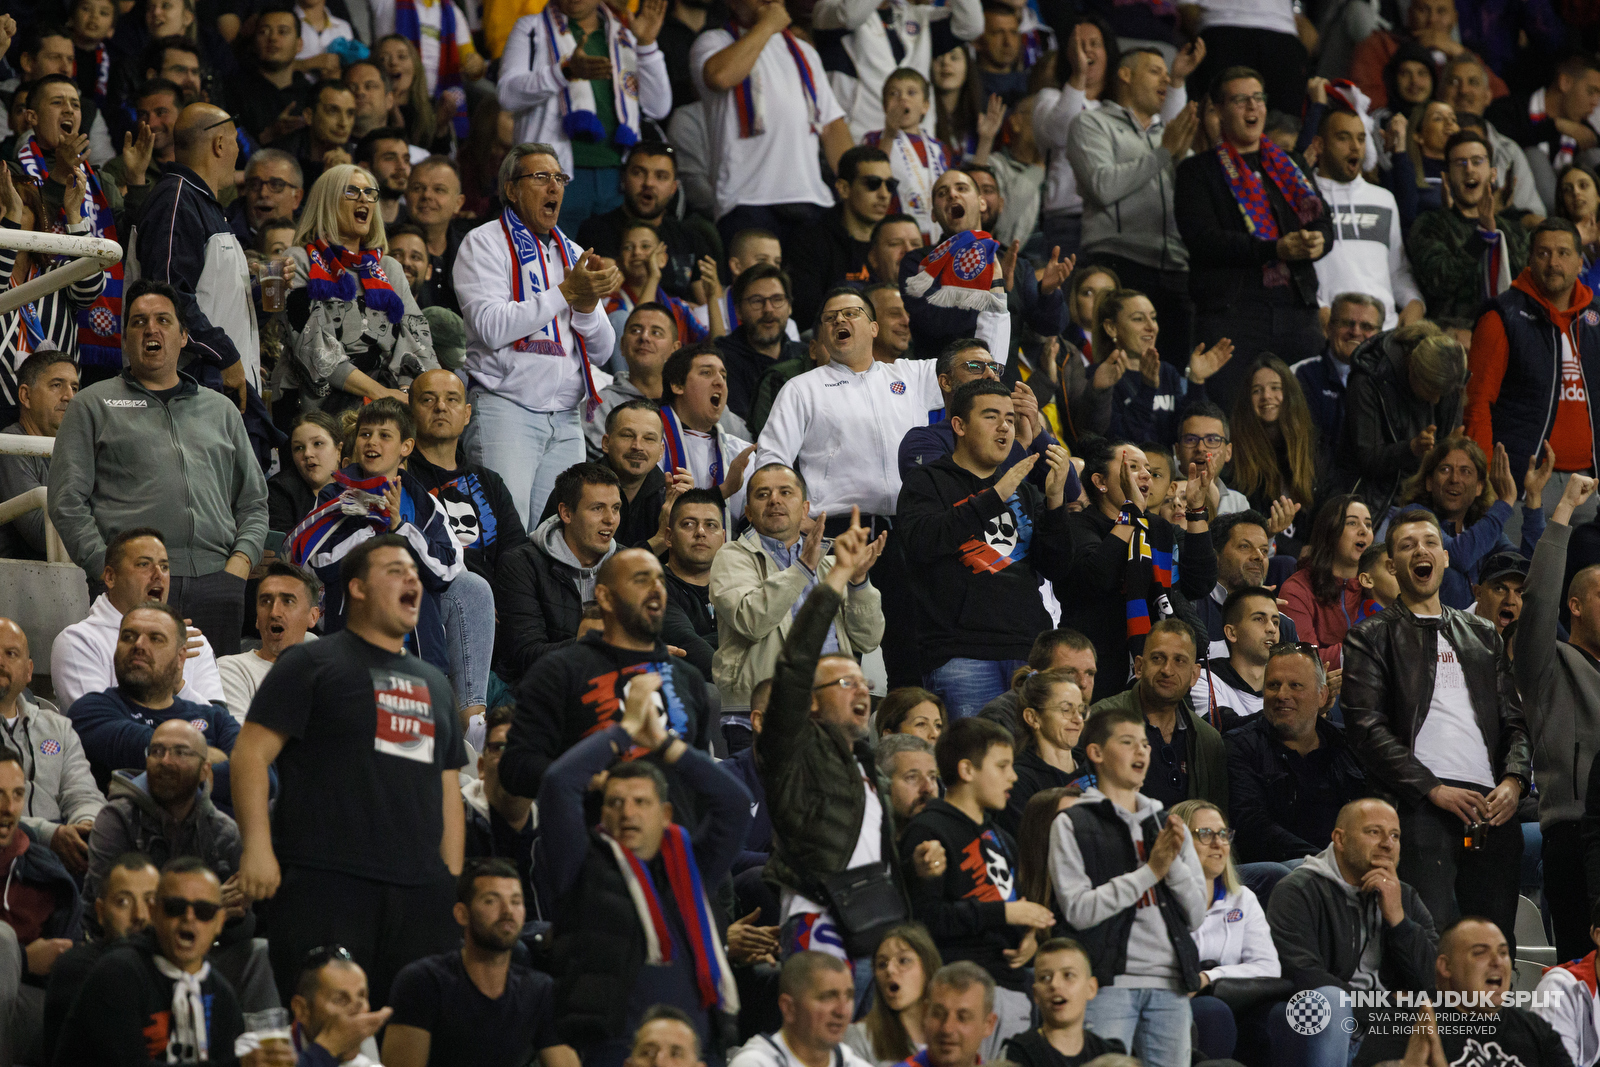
x,y
314,42
1450,742
1274,15
780,165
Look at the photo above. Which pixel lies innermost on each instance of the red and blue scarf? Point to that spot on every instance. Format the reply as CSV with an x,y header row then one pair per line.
x,y
360,498
675,457
747,94
530,274
962,272
713,977
690,330
408,25
333,275
1251,195
99,324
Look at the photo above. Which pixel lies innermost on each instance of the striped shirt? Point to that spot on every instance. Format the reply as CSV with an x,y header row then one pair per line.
x,y
57,311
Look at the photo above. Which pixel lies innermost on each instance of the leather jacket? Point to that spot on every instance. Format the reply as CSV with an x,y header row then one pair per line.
x,y
1389,664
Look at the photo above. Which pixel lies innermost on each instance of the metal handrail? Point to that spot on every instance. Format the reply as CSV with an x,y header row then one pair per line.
x,y
17,444
21,504
93,254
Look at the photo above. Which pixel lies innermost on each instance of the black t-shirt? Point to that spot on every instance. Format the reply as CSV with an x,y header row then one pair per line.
x,y
467,1028
479,509
1511,1038
1167,780
1318,804
1030,1049
360,792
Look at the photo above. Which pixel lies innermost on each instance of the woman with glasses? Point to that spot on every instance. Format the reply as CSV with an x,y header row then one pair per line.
x,y
1324,597
1053,710
1234,939
355,329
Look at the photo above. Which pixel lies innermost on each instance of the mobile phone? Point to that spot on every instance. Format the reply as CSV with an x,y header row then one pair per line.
x,y
275,539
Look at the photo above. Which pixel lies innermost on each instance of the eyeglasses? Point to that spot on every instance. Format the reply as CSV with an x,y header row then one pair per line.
x,y
1205,837
177,908
773,302
1073,712
979,366
271,185
181,753
1470,161
1243,99
356,192
494,746
846,682
849,314
872,183
544,177
1210,440
319,957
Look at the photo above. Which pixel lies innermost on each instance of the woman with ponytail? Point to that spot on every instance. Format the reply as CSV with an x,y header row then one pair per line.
x,y
1054,711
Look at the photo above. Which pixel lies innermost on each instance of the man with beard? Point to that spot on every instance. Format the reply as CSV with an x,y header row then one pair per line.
x,y
384,151
759,582
976,532
577,691
649,336
324,140
156,104
46,382
632,450
116,726
269,90
762,301
649,187
642,871
273,188
1368,253
1449,743
356,725
908,763
476,1006
836,251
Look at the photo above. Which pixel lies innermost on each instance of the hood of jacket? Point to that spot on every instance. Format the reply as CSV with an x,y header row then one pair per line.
x,y
1144,808
547,536
1582,296
135,788
40,867
1325,864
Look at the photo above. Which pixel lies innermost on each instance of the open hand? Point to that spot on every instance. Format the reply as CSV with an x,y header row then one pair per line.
x,y
991,118
1204,362
1055,482
138,147
1538,475
1500,480
1109,371
1012,478
646,24
735,479
811,546
1056,272
639,716
1283,512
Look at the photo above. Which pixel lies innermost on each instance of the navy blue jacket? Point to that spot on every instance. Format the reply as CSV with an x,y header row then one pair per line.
x,y
115,731
1324,390
1141,412
758,841
41,868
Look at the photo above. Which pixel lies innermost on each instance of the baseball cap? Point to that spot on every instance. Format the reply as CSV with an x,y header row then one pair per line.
x,y
1502,564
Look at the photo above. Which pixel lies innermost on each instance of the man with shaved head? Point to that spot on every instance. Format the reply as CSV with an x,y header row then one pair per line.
x,y
1343,921
573,692
184,236
1560,686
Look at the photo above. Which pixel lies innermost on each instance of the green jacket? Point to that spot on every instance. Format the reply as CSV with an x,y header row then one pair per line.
x,y
123,458
812,771
1449,261
1207,756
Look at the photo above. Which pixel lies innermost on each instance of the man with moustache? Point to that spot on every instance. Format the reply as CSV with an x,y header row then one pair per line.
x,y
45,384
908,763
763,299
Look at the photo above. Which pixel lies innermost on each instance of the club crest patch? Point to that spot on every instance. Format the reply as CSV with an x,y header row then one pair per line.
x,y
1591,317
897,388
49,747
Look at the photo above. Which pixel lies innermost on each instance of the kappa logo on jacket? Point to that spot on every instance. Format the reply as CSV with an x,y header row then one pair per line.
x,y
113,402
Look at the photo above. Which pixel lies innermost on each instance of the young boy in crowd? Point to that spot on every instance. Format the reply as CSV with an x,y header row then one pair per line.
x,y
916,159
1379,588
91,25
1063,986
373,496
275,237
642,258
1133,909
974,911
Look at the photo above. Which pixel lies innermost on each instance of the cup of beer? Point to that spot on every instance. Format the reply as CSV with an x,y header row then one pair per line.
x,y
270,1027
274,284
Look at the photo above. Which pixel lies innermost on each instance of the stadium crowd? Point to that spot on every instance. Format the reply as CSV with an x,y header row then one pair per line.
x,y
826,533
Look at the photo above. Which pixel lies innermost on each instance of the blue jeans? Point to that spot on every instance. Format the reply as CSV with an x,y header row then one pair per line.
x,y
1333,1046
966,685
592,191
528,449
1153,1024
1261,877
468,609
1217,1032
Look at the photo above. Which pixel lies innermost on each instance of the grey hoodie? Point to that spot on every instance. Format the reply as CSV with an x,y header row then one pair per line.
x,y
134,822
1370,929
1152,963
547,535
61,787
1126,179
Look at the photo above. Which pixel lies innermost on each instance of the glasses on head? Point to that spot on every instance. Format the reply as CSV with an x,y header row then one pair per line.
x,y
1245,99
494,747
846,682
368,194
178,907
979,366
319,956
848,314
774,302
1210,440
181,753
545,177
221,122
872,183
274,186
1205,837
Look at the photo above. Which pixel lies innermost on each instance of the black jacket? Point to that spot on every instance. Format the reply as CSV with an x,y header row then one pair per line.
x,y
576,691
641,516
934,327
746,367
1389,663
1034,775
1264,797
479,509
1316,927
827,257
979,560
1381,416
965,909
538,607
289,499
1225,261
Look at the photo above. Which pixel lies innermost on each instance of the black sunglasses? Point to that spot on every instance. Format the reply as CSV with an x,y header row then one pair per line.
x,y
178,907
873,183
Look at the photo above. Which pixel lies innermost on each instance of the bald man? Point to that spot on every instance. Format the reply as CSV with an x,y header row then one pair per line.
x,y
1344,921
1560,688
183,236
1474,973
571,693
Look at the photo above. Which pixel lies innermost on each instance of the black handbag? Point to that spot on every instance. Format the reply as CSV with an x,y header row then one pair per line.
x,y
1242,994
866,904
